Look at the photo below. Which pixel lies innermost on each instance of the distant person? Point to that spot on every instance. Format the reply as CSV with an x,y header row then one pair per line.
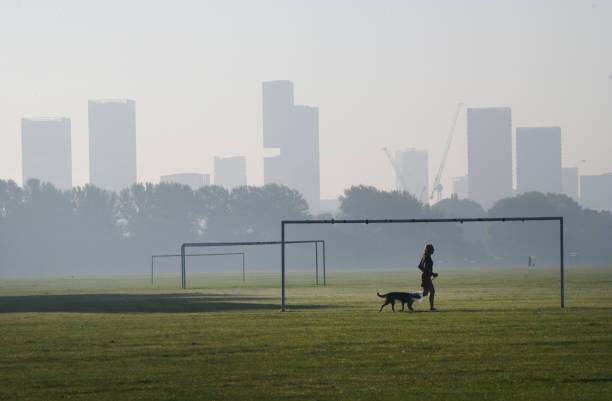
x,y
426,266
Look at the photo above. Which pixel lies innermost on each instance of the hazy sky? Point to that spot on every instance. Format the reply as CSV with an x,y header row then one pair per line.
x,y
383,73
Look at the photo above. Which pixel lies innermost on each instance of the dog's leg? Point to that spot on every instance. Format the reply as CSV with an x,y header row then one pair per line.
x,y
410,306
393,305
384,304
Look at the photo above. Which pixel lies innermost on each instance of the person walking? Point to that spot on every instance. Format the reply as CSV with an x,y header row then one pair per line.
x,y
426,267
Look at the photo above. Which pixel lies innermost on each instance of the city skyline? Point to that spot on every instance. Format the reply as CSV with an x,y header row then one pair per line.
x,y
536,148
377,83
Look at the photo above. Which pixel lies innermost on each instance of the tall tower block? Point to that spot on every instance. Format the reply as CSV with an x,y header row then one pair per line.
x,y
112,143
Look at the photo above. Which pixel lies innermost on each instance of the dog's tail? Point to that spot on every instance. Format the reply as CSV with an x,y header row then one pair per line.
x,y
382,296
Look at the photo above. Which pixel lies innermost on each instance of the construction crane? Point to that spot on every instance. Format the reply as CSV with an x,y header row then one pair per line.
x,y
437,185
402,184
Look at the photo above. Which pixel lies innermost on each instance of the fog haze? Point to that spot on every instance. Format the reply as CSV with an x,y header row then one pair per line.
x,y
382,74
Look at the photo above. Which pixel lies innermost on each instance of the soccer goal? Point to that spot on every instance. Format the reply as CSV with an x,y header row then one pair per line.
x,y
155,257
286,223
316,243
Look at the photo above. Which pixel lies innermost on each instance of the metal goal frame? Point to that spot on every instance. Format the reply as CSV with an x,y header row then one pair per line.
x,y
316,243
460,220
153,257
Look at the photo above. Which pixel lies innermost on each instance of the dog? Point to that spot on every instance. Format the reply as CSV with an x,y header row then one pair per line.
x,y
403,297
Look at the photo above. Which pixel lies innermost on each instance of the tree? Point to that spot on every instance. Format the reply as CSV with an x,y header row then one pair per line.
x,y
212,212
474,233
258,211
396,244
586,231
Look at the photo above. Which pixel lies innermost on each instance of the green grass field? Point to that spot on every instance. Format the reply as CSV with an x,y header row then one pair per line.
x,y
498,334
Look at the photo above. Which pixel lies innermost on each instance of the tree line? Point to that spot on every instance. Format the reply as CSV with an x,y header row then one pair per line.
x,y
87,230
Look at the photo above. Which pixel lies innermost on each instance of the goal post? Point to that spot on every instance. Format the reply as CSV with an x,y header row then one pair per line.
x,y
285,223
153,257
316,243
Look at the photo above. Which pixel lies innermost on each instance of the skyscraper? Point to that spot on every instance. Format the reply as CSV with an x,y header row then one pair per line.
x,y
294,131
596,191
538,159
193,180
301,154
277,105
569,182
46,151
112,143
230,172
489,134
413,166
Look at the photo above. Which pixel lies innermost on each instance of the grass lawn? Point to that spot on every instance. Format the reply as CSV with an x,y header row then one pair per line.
x,y
498,334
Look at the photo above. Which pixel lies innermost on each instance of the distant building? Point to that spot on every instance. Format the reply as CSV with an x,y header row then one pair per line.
x,y
294,131
230,172
413,166
112,143
489,134
569,182
274,172
538,159
46,151
277,106
460,187
301,154
596,191
193,180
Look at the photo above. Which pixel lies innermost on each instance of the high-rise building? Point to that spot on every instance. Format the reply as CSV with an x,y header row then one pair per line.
x,y
112,143
273,171
294,131
46,151
193,180
569,182
413,167
489,134
460,187
277,106
230,172
301,154
596,191
538,159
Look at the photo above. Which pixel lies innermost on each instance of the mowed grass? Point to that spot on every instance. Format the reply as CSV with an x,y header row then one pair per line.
x,y
498,334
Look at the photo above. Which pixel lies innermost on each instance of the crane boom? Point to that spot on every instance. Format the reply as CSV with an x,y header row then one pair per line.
x,y
398,173
437,186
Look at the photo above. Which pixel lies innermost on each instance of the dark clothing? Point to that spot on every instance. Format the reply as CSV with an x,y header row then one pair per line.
x,y
426,266
428,286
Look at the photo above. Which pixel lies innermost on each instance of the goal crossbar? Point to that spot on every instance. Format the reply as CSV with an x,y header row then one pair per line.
x,y
316,243
460,220
153,257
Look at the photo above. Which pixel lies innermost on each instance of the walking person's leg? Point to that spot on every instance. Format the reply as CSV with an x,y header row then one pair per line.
x,y
432,293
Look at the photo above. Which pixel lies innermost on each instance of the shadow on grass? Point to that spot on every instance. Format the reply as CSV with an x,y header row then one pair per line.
x,y
141,303
501,309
